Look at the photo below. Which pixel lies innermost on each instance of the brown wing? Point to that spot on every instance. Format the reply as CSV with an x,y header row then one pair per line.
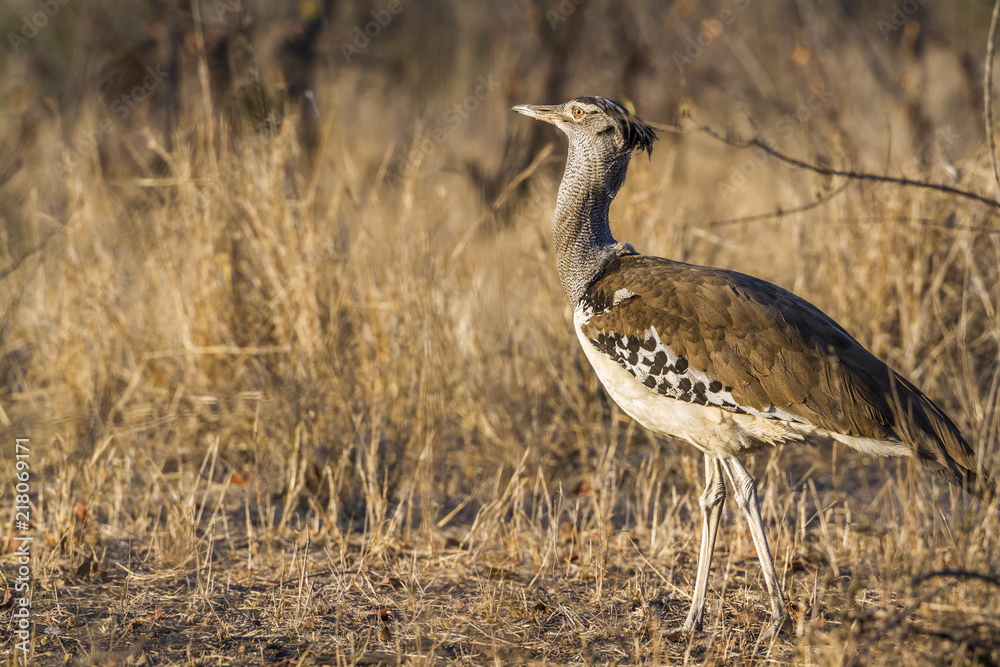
x,y
746,345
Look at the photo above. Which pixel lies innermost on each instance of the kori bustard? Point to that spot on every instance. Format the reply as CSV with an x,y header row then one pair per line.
x,y
723,360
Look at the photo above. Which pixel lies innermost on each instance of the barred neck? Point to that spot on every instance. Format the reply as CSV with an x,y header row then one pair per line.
x,y
581,229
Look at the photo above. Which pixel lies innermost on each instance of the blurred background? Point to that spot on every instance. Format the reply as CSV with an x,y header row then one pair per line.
x,y
298,253
343,186
428,85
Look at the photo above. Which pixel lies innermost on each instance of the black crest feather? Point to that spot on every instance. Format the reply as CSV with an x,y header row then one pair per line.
x,y
637,133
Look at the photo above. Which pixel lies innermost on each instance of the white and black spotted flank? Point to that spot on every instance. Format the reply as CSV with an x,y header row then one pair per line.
x,y
657,367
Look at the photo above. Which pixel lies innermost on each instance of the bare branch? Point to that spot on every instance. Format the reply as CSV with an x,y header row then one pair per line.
x,y
959,574
854,175
926,222
780,212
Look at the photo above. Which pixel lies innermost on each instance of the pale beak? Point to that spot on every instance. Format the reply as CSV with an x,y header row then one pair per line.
x,y
541,112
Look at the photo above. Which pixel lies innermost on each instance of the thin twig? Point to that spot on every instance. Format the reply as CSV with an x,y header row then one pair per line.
x,y
959,574
854,175
926,222
780,212
988,90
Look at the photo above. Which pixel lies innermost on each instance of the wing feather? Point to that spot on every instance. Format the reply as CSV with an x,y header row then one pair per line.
x,y
767,351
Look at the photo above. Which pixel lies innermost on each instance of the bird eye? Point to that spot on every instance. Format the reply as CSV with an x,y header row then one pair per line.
x,y
577,112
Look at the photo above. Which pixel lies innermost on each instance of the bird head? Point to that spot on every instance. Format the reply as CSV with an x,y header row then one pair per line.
x,y
596,122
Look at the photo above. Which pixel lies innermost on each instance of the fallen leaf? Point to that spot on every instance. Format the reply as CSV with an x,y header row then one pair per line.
x,y
87,568
384,615
80,511
245,573
674,636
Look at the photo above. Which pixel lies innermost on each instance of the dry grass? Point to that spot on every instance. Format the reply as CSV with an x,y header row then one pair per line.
x,y
281,410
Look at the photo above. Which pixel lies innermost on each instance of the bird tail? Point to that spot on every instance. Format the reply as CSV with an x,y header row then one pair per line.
x,y
937,442
976,483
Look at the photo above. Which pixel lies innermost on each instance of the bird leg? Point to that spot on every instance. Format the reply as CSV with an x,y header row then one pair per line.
x,y
711,501
745,490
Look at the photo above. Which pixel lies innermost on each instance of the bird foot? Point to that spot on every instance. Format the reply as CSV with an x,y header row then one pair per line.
x,y
679,634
